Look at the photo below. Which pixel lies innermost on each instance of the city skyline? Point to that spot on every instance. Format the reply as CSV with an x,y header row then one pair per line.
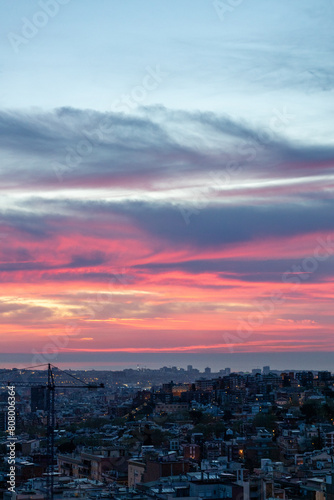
x,y
238,363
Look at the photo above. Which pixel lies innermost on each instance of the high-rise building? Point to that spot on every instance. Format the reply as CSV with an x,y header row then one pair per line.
x,y
38,399
266,370
305,378
189,368
324,376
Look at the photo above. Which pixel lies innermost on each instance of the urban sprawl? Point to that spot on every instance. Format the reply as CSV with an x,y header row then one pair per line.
x,y
167,433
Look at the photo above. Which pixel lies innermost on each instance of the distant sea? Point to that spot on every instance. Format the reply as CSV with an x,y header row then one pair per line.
x,y
216,361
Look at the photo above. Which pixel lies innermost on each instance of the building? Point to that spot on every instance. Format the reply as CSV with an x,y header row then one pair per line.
x,y
329,439
140,471
324,376
136,469
192,452
213,486
170,407
88,465
305,378
38,399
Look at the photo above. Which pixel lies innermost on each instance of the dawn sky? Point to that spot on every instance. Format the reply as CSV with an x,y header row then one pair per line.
x,y
166,177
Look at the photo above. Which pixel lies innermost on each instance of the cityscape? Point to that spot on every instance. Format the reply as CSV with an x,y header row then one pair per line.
x,y
170,433
166,250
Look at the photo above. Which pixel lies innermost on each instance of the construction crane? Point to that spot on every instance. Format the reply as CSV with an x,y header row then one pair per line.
x,y
50,388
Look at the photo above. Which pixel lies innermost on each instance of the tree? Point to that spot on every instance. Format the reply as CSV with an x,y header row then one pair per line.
x,y
228,415
196,416
265,420
312,411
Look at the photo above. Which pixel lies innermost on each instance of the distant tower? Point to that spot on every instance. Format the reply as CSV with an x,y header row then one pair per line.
x,y
266,370
207,371
189,368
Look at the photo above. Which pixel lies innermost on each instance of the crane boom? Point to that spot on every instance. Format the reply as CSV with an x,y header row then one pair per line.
x,y
50,388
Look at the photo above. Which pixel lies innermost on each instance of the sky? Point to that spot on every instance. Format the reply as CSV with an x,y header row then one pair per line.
x,y
166,181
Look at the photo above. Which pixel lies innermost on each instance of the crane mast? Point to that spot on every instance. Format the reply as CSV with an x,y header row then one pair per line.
x,y
50,388
51,422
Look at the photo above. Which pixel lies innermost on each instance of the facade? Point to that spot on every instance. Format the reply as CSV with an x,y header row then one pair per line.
x,y
85,465
171,407
38,398
152,470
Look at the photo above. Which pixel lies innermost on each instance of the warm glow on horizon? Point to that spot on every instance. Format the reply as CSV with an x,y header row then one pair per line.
x,y
169,187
